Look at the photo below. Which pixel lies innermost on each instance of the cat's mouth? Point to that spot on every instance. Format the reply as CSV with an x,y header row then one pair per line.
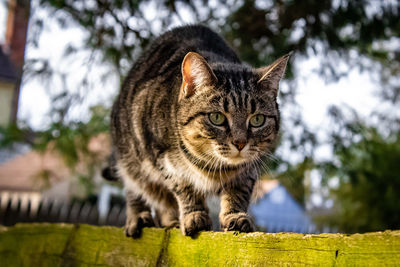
x,y
237,157
237,160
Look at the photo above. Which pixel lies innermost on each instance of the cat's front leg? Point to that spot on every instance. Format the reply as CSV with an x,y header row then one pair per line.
x,y
138,215
192,210
235,201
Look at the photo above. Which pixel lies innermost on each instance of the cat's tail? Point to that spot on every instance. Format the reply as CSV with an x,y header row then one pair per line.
x,y
110,172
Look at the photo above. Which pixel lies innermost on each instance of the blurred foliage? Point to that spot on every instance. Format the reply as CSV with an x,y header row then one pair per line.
x,y
367,196
260,31
358,33
15,133
293,179
71,140
361,34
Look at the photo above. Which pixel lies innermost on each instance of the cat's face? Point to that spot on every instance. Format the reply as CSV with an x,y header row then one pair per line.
x,y
231,119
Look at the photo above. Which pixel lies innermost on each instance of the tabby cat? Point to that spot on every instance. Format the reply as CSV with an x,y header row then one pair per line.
x,y
191,120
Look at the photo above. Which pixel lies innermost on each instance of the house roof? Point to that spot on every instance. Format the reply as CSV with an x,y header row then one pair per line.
x,y
7,70
30,170
278,211
24,172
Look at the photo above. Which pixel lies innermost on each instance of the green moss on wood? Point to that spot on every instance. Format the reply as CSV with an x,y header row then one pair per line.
x,y
84,245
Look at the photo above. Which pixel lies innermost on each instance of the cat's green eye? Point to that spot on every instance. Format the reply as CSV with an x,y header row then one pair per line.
x,y
217,118
257,120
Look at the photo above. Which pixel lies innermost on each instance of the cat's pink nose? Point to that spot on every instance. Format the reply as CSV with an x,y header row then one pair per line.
x,y
239,144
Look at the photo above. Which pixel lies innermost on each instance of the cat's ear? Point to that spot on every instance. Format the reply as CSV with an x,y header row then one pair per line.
x,y
272,74
196,73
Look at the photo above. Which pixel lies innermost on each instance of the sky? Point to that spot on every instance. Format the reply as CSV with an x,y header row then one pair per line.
x,y
3,20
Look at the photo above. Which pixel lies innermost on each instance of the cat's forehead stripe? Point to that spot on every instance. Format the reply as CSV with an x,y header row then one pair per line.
x,y
252,106
237,100
226,104
232,98
240,100
216,99
246,98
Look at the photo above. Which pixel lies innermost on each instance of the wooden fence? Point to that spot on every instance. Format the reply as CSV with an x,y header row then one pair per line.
x,y
17,208
84,245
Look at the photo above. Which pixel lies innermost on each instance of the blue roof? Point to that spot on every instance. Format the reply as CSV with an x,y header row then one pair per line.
x,y
277,211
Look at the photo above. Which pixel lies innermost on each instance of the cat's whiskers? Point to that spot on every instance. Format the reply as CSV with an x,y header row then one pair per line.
x,y
253,164
265,167
225,172
220,173
199,160
260,167
214,159
268,155
207,165
272,157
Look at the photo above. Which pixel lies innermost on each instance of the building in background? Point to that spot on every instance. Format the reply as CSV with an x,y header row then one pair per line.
x,y
277,211
40,186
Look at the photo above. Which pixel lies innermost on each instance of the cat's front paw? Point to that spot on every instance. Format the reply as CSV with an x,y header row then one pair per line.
x,y
241,222
195,222
135,224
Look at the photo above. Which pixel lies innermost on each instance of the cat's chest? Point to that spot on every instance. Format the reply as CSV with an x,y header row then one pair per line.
x,y
203,180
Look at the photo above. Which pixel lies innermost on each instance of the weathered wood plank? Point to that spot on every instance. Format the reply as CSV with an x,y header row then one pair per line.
x,y
84,245
77,245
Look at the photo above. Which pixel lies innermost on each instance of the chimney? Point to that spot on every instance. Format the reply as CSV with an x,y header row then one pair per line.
x,y
17,26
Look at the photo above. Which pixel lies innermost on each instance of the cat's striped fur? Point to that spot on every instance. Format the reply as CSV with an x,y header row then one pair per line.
x,y
168,151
